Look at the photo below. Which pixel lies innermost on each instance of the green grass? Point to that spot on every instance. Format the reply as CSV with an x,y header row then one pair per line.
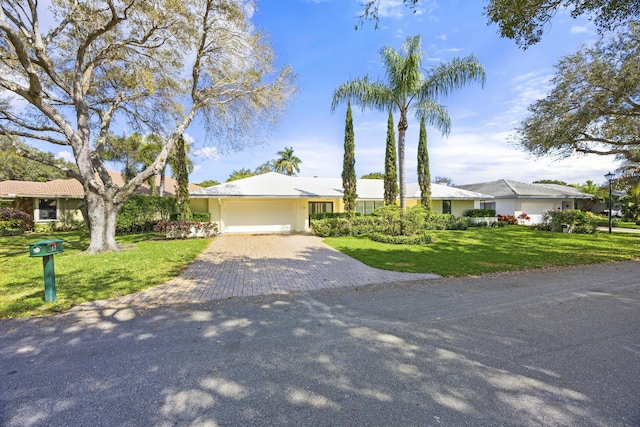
x,y
487,250
628,224
80,277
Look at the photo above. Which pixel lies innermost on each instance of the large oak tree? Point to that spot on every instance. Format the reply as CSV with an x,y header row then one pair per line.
x,y
526,20
594,106
70,74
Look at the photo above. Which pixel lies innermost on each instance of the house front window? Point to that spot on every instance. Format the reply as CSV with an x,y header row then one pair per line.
x,y
47,209
446,206
488,205
319,207
365,207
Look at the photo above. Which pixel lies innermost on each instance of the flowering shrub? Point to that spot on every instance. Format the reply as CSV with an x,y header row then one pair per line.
x,y
508,219
12,219
574,221
186,229
523,218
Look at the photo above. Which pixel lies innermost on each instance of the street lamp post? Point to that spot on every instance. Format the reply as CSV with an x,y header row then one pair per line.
x,y
609,178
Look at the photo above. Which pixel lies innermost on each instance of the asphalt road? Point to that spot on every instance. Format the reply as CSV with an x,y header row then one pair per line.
x,y
546,348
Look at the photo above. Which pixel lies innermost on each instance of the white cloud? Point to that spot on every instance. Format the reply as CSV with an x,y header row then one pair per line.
x,y
65,155
579,29
207,152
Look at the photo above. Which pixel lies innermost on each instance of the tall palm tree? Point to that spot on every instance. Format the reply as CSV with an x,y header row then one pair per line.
x,y
287,163
407,89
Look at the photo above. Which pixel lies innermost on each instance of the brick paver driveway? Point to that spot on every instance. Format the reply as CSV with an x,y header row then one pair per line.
x,y
246,265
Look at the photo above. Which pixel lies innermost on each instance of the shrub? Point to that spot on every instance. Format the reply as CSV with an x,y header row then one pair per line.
x,y
438,221
480,213
363,225
186,229
201,216
11,219
324,215
508,219
331,227
575,221
416,239
142,213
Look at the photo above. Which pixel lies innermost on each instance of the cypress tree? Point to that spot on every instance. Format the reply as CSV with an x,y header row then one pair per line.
x,y
424,176
182,176
348,166
390,165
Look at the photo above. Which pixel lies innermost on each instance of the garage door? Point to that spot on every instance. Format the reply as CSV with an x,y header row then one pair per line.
x,y
259,216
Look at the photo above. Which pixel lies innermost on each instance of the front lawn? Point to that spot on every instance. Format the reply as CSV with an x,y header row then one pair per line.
x,y
487,250
79,277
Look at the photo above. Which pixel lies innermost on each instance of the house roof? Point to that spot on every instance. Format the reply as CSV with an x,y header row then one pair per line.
x,y
507,189
276,185
72,189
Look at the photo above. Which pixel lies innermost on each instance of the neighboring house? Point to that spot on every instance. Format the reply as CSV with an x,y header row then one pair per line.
x,y
273,202
59,200
515,198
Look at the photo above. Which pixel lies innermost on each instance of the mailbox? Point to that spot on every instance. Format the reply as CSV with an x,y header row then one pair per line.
x,y
46,247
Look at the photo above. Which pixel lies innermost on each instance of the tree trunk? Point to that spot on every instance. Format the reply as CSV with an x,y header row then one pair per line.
x,y
102,223
402,128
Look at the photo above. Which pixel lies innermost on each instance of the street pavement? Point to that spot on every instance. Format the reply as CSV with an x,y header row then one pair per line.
x,y
557,347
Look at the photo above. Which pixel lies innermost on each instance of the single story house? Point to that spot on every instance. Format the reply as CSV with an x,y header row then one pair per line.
x,y
59,200
514,198
273,202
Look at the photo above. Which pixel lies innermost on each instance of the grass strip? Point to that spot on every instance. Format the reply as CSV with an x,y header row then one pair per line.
x,y
488,250
147,261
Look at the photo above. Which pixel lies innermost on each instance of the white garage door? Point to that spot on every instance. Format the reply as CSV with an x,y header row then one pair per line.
x,y
259,216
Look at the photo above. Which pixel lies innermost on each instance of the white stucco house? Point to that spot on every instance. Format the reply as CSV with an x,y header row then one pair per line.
x,y
514,198
273,202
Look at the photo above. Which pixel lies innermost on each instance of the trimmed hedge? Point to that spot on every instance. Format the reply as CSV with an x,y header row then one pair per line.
x,y
142,213
417,239
480,213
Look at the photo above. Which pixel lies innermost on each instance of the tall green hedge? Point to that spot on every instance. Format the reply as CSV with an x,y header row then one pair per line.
x,y
142,213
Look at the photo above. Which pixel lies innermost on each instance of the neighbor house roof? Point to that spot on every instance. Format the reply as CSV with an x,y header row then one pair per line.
x,y
276,185
506,189
72,189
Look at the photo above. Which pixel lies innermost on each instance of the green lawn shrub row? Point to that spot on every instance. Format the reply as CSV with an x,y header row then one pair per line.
x,y
389,221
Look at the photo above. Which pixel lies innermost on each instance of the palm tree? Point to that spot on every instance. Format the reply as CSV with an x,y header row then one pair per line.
x,y
287,163
408,89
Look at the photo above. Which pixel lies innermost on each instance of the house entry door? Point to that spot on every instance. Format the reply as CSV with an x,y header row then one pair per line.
x,y
319,207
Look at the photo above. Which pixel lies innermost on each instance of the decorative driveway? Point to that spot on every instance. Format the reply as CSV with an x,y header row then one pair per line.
x,y
248,265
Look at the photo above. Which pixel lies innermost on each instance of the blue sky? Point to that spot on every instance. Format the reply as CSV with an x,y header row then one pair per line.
x,y
317,38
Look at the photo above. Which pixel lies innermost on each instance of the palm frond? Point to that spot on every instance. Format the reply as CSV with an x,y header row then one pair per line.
x,y
364,93
447,77
435,114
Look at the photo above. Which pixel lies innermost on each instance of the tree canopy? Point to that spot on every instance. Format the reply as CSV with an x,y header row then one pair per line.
x,y
526,20
594,106
373,175
16,167
155,66
288,163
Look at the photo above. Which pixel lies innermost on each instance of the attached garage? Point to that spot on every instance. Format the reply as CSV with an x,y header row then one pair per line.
x,y
249,216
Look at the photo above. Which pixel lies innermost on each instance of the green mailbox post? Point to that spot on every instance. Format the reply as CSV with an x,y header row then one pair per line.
x,y
47,249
